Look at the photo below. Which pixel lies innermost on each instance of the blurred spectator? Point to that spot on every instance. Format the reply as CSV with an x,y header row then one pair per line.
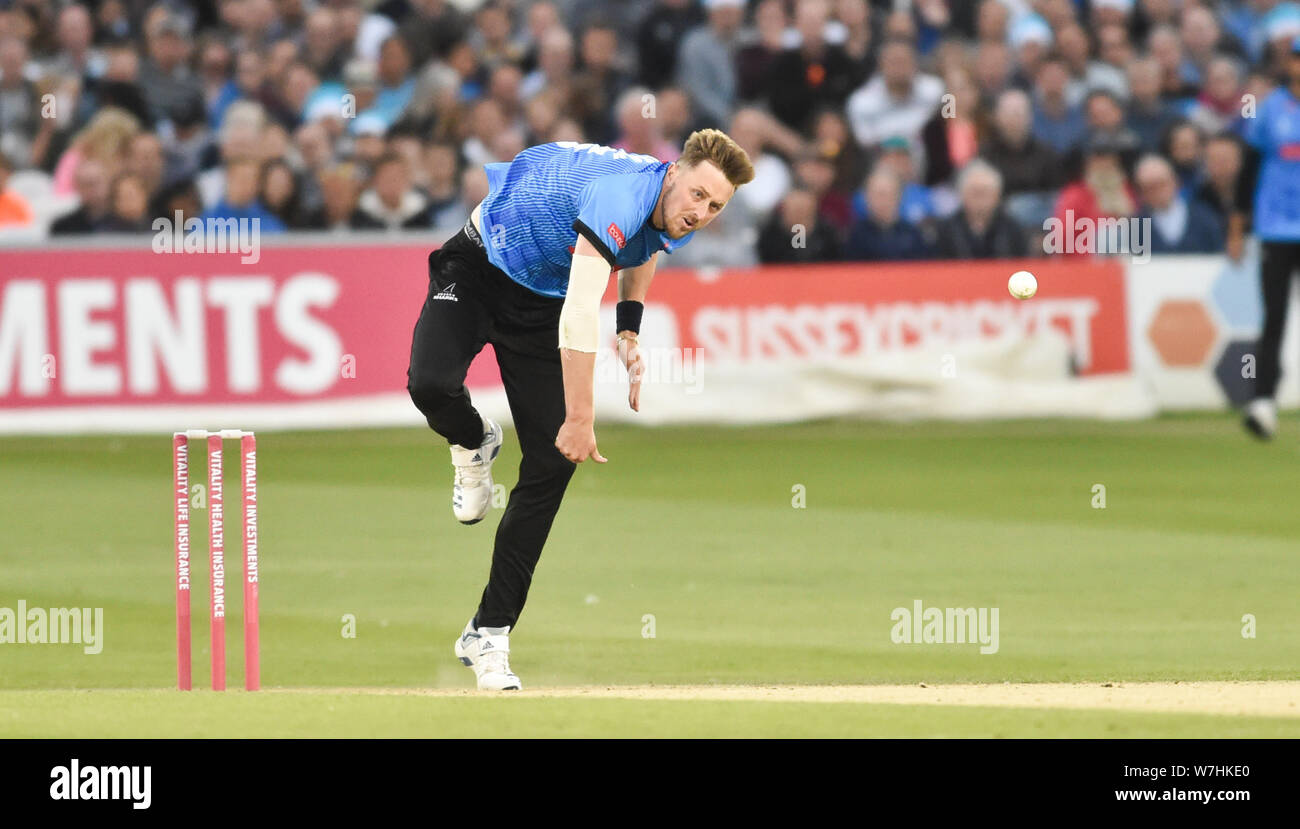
x,y
815,173
485,122
187,142
182,198
897,101
1183,147
104,139
1103,114
503,88
295,93
215,62
541,113
1177,76
340,187
15,212
280,193
1202,38
1219,105
1245,21
598,83
990,72
240,198
167,82
1223,167
981,229
92,196
1102,191
638,126
659,35
883,235
248,84
326,53
431,28
473,189
991,21
442,183
761,46
860,39
77,57
916,204
1147,113
961,115
674,115
812,75
1087,75
832,140
706,64
492,37
554,69
543,17
1030,39
396,86
145,159
1025,163
128,206
1057,121
1115,53
1178,225
751,129
240,137
391,202
795,233
20,103
120,85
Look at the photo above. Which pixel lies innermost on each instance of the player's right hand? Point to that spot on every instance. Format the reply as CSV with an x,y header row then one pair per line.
x,y
577,441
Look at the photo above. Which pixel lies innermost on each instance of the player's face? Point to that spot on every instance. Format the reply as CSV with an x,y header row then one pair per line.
x,y
693,197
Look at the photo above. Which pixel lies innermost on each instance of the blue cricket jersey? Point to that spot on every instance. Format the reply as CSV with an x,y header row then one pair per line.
x,y
1275,132
540,201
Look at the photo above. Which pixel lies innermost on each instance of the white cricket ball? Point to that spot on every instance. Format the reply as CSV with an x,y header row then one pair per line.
x,y
1022,285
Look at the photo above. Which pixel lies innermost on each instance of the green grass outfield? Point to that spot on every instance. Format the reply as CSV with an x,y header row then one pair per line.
x,y
695,527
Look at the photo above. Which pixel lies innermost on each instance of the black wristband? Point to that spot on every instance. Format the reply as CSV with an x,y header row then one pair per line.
x,y
628,316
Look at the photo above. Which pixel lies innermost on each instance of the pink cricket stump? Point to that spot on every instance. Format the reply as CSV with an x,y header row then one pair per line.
x,y
181,496
252,672
217,562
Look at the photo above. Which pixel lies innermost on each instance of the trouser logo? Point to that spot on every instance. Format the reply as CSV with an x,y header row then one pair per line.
x,y
447,293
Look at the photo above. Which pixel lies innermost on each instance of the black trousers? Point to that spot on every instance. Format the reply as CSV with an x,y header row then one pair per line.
x,y
1278,263
470,303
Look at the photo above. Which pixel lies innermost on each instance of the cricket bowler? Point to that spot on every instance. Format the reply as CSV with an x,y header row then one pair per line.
x,y
526,274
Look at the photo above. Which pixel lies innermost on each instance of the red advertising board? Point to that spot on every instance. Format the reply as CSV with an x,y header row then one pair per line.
x,y
129,327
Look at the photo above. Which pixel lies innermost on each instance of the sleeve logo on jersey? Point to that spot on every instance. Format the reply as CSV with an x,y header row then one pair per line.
x,y
617,235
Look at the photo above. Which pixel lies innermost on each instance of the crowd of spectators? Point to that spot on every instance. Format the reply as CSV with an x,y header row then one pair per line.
x,y
879,130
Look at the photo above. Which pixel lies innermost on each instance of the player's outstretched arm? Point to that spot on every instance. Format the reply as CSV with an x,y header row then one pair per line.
x,y
579,339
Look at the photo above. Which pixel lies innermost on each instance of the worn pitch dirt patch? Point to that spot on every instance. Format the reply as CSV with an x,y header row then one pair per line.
x,y
1256,699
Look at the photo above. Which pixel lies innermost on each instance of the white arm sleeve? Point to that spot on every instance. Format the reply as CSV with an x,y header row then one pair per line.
x,y
579,318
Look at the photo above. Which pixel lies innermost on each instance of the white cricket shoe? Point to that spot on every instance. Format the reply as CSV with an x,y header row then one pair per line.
x,y
1261,418
471,494
487,651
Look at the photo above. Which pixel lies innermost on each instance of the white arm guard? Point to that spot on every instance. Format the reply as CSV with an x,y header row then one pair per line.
x,y
579,318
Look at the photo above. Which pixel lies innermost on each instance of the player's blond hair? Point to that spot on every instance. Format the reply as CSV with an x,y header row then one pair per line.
x,y
717,147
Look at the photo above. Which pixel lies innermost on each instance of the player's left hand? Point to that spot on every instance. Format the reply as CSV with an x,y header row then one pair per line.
x,y
629,352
